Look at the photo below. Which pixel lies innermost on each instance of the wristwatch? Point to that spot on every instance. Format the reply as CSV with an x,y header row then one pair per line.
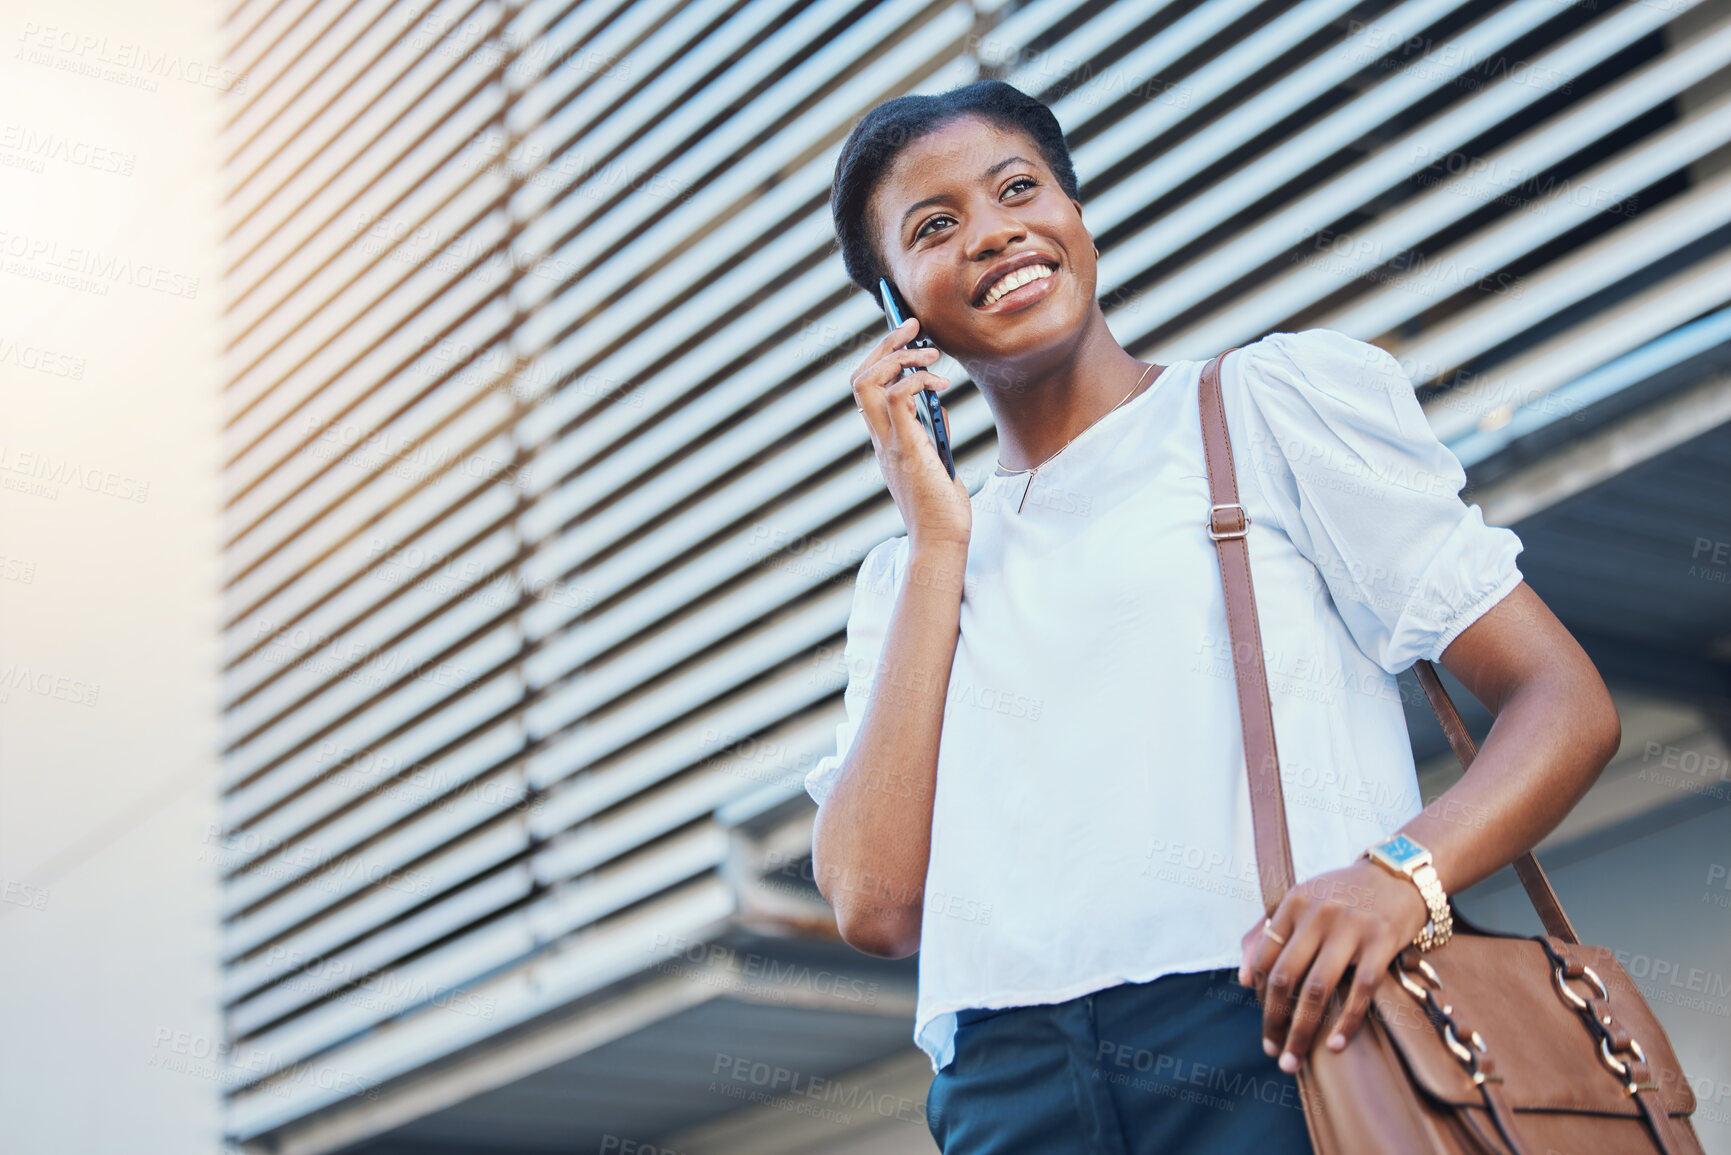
x,y
1404,857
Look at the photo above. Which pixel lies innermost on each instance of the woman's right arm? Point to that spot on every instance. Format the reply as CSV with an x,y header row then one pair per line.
x,y
872,837
871,840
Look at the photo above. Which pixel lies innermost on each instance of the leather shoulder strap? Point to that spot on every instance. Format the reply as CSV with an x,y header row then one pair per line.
x,y
1527,867
1228,524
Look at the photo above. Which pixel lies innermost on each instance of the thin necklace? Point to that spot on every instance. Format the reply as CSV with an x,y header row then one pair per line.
x,y
1033,469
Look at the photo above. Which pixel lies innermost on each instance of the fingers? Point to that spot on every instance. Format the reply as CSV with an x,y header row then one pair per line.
x,y
892,412
1264,946
1282,974
875,364
1314,992
877,383
1365,977
1253,962
894,339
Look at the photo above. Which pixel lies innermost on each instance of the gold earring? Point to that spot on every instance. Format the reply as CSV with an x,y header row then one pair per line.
x,y
1096,252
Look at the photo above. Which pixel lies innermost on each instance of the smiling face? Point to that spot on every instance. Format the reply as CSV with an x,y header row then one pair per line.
x,y
985,246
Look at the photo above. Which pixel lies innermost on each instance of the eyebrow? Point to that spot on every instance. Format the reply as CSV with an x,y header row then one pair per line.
x,y
993,171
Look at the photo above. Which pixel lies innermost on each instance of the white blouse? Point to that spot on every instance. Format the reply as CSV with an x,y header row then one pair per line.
x,y
1091,823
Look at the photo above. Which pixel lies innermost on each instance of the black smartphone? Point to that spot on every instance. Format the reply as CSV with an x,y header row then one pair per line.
x,y
927,408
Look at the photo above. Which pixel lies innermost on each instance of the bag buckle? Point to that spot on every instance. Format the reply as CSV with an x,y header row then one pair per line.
x,y
1219,534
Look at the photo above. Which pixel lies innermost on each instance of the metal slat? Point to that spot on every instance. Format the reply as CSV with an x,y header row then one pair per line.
x,y
292,52
366,575
452,966
456,865
1393,300
553,978
1253,247
370,790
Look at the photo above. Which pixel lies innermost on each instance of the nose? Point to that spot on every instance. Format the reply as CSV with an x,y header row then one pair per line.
x,y
991,230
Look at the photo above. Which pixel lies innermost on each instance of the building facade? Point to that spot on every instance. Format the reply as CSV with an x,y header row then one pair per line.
x,y
544,495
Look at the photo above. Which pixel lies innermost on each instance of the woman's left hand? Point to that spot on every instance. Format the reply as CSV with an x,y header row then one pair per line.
x,y
1359,916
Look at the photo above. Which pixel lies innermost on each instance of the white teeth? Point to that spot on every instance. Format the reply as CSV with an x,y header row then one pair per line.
x,y
1015,279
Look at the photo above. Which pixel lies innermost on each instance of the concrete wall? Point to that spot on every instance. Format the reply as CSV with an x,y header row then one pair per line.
x,y
109,378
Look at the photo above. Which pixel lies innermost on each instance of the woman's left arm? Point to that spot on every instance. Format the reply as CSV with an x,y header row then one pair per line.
x,y
1555,730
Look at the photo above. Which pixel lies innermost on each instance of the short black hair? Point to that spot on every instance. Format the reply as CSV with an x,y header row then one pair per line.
x,y
872,146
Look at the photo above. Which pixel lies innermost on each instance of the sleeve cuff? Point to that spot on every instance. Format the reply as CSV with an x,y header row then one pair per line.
x,y
1472,613
820,779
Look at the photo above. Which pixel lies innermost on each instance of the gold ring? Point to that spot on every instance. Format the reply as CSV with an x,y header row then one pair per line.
x,y
1268,929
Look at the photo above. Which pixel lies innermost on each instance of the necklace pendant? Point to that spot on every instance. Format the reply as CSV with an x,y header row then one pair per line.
x,y
1026,488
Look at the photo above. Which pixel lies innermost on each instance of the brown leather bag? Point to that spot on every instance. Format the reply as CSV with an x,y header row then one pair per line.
x,y
1492,1042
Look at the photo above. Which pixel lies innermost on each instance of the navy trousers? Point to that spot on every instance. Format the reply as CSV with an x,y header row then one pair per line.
x,y
1157,1068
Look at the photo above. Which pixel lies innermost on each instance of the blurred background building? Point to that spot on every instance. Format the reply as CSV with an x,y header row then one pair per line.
x,y
543,494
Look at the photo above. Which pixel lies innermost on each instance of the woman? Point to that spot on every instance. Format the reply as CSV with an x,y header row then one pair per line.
x,y
1040,784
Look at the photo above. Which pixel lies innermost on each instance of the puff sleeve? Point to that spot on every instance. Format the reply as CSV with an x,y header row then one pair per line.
x,y
874,595
1366,491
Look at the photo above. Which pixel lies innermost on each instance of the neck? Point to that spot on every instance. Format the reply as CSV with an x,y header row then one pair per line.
x,y
1039,403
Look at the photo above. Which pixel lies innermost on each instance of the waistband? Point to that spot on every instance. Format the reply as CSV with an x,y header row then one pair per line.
x,y
1181,984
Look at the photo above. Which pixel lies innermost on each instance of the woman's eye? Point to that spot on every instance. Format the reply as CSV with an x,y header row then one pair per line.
x,y
927,224
1019,183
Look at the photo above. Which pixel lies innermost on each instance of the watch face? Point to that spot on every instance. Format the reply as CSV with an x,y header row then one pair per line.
x,y
1401,849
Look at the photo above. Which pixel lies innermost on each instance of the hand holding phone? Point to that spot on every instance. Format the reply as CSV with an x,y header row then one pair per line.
x,y
937,510
926,407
